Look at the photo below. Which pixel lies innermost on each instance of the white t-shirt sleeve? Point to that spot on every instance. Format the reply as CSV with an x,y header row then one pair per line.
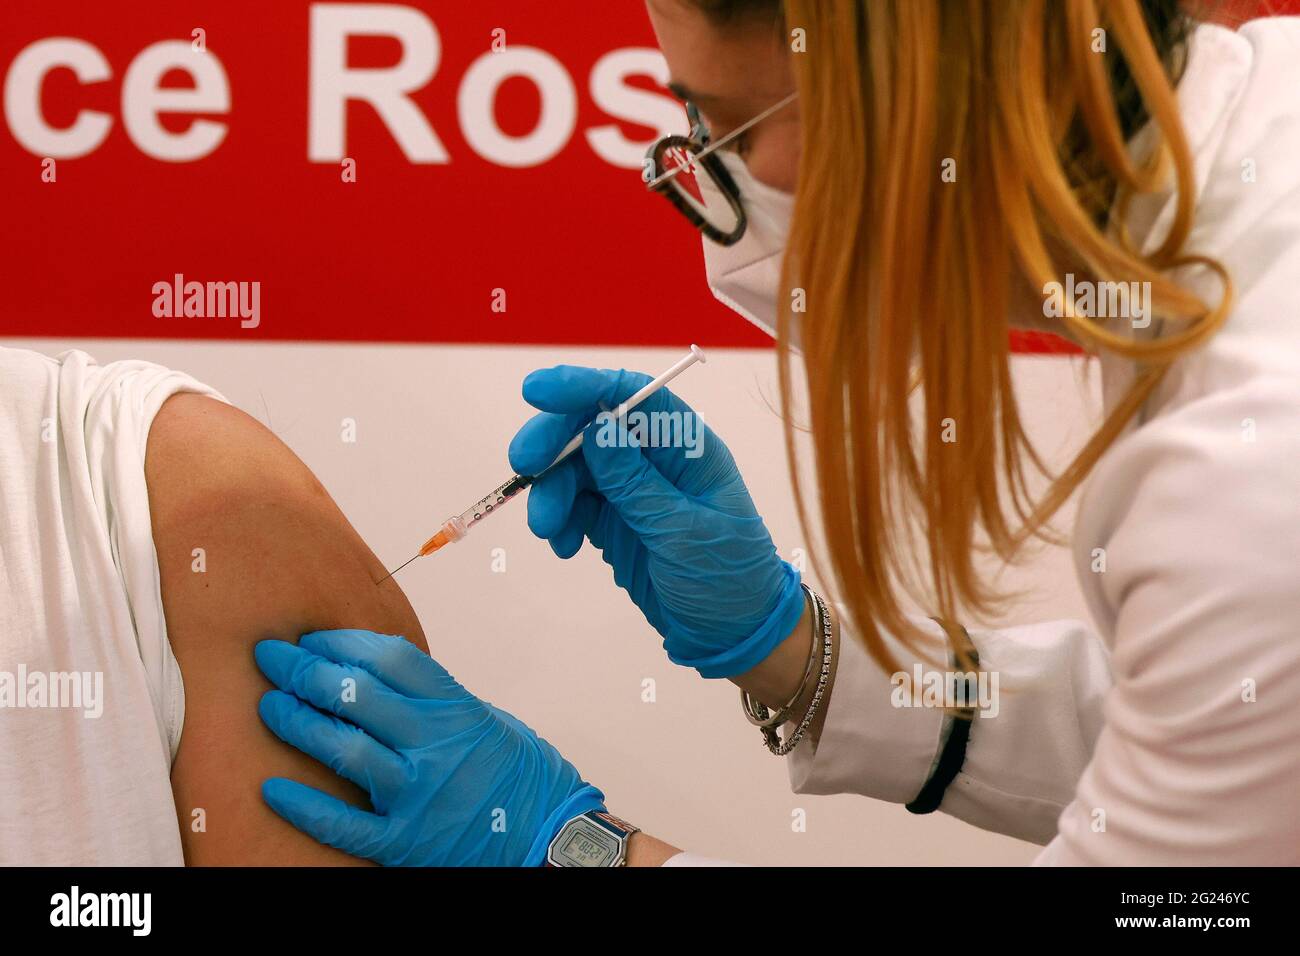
x,y
90,692
105,414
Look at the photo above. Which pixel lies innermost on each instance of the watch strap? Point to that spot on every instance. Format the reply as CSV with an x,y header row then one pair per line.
x,y
627,829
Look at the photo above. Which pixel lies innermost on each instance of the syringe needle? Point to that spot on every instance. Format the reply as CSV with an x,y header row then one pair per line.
x,y
430,546
395,570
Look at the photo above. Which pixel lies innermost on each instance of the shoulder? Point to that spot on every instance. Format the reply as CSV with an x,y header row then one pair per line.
x,y
1209,468
204,454
23,366
1187,528
271,535
1275,35
218,477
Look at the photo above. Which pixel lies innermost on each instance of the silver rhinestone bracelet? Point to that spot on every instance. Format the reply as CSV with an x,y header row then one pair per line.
x,y
757,713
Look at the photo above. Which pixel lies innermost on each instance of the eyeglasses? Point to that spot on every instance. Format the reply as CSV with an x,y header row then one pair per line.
x,y
684,170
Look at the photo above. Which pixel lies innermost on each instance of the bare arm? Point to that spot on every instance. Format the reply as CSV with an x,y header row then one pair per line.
x,y
281,560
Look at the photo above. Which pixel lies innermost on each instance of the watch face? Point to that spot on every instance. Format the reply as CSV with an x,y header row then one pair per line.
x,y
585,844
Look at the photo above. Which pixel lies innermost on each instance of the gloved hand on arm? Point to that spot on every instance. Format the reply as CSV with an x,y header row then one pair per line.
x,y
453,780
679,530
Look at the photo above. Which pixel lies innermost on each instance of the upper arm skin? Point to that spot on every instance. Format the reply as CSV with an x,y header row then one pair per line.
x,y
281,560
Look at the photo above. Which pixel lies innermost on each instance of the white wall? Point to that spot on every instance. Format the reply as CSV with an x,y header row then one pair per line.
x,y
556,642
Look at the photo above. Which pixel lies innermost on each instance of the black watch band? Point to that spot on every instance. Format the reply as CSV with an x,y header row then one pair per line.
x,y
954,748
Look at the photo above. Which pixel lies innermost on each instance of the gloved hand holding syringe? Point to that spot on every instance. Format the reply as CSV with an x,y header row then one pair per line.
x,y
458,526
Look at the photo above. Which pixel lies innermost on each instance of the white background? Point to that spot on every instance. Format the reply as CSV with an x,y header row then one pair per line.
x,y
556,642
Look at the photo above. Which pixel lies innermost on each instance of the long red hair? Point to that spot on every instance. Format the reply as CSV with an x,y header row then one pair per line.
x,y
909,276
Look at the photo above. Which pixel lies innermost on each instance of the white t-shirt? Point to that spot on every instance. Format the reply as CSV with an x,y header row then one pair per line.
x,y
91,700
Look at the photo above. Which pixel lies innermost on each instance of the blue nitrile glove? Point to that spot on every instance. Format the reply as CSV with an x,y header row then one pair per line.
x,y
676,524
453,780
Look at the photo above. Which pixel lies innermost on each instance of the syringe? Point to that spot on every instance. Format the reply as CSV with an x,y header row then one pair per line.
x,y
458,526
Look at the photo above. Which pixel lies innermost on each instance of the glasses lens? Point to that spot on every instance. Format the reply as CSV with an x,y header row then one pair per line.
x,y
695,187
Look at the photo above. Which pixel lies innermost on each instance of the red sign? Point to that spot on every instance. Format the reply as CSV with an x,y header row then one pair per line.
x,y
454,172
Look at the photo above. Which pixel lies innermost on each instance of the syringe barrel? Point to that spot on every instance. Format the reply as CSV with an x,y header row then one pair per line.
x,y
489,503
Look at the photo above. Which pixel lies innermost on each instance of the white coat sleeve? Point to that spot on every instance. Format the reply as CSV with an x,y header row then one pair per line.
x,y
1179,747
1023,760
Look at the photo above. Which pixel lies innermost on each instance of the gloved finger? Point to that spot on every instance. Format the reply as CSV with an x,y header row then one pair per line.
x,y
394,660
325,818
346,749
536,445
550,498
574,396
578,390
568,540
649,504
344,690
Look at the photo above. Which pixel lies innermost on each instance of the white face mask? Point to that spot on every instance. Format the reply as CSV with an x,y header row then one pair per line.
x,y
746,277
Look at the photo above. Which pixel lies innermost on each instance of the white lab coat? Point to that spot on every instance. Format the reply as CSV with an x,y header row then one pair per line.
x,y
1168,731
